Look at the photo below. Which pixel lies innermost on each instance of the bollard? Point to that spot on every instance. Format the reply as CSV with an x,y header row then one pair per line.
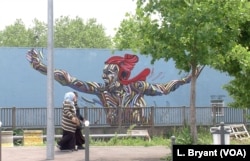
x,y
86,123
0,141
172,144
221,134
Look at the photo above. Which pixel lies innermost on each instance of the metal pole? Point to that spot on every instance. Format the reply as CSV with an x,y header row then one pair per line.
x,y
86,140
0,141
222,133
50,86
172,144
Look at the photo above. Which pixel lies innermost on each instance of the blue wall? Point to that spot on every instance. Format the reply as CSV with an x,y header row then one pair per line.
x,y
22,86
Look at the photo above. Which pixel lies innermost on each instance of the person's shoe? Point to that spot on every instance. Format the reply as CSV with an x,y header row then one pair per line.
x,y
81,148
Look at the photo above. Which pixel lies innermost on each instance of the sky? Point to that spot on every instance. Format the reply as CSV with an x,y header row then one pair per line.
x,y
109,13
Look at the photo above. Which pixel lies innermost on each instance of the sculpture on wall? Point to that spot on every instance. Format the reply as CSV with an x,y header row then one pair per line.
x,y
118,89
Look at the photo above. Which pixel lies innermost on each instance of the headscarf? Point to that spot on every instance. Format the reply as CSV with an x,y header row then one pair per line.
x,y
126,64
69,97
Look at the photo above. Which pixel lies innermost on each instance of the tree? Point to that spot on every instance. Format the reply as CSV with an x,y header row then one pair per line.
x,y
38,34
69,33
192,33
244,37
238,88
74,33
15,35
239,68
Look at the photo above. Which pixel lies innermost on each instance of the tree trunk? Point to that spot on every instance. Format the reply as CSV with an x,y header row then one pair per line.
x,y
193,128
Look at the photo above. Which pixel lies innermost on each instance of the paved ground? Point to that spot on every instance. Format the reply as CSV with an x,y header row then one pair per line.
x,y
96,153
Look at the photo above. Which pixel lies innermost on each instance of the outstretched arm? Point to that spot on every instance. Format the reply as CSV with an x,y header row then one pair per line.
x,y
166,88
173,85
35,61
61,76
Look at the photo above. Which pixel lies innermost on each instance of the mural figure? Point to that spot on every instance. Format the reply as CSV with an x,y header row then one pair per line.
x,y
118,89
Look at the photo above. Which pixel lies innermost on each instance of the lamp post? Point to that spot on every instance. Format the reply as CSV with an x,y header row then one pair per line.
x,y
86,123
0,141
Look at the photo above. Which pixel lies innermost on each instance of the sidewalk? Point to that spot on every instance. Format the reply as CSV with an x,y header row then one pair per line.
x,y
96,153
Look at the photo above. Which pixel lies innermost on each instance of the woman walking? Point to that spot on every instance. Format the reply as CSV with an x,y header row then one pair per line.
x,y
69,123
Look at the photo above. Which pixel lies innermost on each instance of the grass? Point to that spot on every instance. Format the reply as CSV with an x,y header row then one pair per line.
x,y
234,141
160,141
182,136
131,141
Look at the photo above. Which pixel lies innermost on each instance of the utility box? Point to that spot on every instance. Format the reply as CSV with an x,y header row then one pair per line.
x,y
221,134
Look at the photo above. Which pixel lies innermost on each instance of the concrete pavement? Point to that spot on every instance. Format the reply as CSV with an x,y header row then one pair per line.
x,y
96,153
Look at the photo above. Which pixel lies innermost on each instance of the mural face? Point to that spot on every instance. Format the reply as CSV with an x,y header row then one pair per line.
x,y
110,75
118,89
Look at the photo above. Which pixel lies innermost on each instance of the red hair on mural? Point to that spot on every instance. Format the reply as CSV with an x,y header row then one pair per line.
x,y
126,64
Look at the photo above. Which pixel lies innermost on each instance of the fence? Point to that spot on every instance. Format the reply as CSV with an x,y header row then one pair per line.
x,y
28,118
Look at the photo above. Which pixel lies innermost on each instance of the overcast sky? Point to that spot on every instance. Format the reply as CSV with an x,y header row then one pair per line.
x,y
109,13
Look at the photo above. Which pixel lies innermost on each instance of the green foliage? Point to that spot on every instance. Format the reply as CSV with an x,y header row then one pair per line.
x,y
168,158
132,141
191,33
238,88
204,136
183,136
38,34
15,35
244,37
74,33
68,33
18,132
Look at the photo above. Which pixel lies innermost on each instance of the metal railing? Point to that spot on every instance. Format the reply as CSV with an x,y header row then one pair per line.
x,y
28,118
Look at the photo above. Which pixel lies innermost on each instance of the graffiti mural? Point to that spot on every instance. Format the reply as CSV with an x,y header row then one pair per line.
x,y
119,89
